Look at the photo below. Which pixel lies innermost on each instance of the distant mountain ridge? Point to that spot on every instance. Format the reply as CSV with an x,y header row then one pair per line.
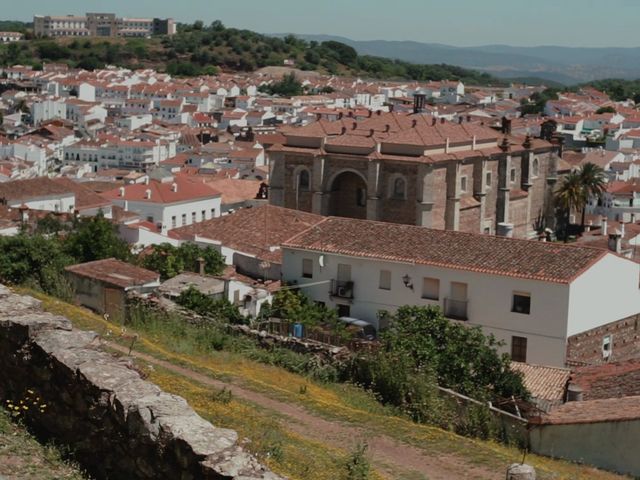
x,y
567,65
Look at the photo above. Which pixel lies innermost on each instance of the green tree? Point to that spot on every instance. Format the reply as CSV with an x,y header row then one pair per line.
x,y
608,109
218,309
289,86
33,259
169,261
571,196
95,238
593,181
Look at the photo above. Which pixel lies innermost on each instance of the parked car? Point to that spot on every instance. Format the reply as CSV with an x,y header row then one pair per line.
x,y
360,328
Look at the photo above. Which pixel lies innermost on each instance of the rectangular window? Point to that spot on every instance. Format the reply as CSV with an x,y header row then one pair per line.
x,y
307,268
173,222
513,174
213,213
463,184
431,288
344,272
607,346
487,179
344,310
203,215
184,219
193,217
519,349
385,280
521,303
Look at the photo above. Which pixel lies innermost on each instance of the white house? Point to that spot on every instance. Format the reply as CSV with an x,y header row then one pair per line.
x,y
171,203
531,295
39,193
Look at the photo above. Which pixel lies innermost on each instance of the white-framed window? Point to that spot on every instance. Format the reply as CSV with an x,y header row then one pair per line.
x,y
184,219
521,303
487,179
430,288
385,280
512,175
173,222
463,184
307,268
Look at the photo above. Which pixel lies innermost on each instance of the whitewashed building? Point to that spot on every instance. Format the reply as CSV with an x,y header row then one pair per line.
x,y
531,295
170,203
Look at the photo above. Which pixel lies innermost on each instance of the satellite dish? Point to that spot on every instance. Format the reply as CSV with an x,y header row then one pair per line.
x,y
321,261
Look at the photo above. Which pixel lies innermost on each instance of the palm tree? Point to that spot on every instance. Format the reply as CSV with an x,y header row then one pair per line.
x,y
571,196
593,181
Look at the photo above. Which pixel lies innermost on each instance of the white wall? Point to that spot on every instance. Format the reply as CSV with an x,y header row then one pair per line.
x,y
162,213
607,292
489,299
59,203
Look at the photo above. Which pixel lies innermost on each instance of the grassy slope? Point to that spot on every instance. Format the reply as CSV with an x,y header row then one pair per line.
x,y
22,457
337,402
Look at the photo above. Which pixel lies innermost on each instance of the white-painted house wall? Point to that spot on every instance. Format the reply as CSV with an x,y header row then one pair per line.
x,y
489,298
608,290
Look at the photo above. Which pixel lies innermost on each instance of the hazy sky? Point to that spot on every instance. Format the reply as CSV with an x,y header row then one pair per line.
x,y
456,22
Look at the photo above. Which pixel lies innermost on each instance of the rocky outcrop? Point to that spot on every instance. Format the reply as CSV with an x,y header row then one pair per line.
x,y
119,425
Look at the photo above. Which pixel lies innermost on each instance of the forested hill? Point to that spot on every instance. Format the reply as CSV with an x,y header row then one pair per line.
x,y
199,49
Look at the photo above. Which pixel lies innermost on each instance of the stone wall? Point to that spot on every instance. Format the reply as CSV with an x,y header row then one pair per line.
x,y
586,348
118,425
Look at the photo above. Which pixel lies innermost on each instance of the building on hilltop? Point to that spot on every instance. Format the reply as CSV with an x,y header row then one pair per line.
x,y
100,25
418,170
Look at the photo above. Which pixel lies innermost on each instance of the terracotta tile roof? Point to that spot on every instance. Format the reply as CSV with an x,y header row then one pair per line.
x,y
534,260
163,192
544,383
593,411
114,272
610,380
258,231
235,190
85,197
32,188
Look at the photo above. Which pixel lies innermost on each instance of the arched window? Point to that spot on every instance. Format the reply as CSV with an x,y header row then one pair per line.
x,y
535,167
398,188
303,180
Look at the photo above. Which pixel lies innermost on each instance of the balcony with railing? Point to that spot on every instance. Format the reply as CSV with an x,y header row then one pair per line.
x,y
456,309
342,289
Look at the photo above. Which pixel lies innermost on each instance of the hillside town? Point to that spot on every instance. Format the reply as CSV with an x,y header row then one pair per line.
x,y
364,196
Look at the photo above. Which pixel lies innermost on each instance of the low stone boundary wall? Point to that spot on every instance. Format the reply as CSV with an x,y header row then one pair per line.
x,y
118,425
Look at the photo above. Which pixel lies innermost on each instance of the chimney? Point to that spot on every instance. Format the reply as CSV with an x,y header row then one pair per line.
x,y
633,218
201,265
174,187
419,100
604,228
446,146
622,228
147,194
473,143
121,192
615,241
146,180
414,123
387,127
434,120
343,130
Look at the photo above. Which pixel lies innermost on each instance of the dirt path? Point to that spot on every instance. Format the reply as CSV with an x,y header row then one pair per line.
x,y
389,456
